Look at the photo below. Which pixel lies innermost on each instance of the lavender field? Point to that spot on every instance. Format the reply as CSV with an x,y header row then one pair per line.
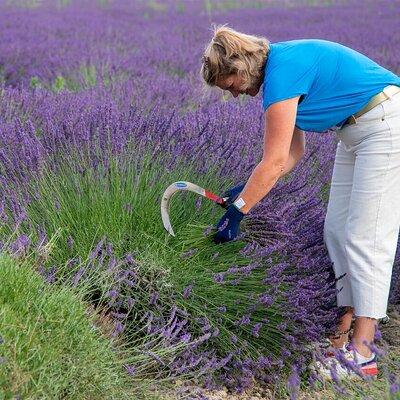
x,y
102,107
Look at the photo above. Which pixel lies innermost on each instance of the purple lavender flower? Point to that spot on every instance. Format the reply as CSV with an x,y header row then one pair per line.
x,y
208,230
50,278
70,242
244,320
293,383
219,277
112,263
285,353
235,282
379,352
97,251
129,259
378,334
109,249
187,291
113,293
154,356
189,253
130,301
202,338
264,362
78,276
216,332
266,299
129,283
21,244
221,309
118,315
394,389
186,337
282,326
256,329
154,297
198,203
57,205
233,270
224,225
224,361
119,327
130,369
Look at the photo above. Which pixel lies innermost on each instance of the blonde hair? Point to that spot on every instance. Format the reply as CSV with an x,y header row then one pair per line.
x,y
232,52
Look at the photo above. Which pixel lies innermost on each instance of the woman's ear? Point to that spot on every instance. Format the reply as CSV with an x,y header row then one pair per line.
x,y
242,78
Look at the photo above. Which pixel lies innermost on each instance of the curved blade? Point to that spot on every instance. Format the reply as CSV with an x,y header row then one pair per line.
x,y
179,186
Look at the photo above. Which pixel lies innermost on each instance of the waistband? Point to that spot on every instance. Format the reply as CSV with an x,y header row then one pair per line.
x,y
385,94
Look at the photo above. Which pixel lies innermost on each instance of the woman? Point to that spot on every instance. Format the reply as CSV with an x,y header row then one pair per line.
x,y
316,85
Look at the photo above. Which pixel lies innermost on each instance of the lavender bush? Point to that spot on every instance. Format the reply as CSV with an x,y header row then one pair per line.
x,y
101,109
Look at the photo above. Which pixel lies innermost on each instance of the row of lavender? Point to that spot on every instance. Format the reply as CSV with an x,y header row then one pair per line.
x,y
77,75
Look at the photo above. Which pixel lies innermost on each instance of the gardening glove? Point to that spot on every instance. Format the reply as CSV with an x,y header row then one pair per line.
x,y
232,194
231,221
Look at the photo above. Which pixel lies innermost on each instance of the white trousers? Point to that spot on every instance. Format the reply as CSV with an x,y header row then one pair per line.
x,y
362,223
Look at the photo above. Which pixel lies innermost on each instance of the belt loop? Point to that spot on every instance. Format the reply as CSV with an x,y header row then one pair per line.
x,y
351,120
388,96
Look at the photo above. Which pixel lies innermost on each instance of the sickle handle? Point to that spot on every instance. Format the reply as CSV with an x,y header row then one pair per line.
x,y
212,196
184,186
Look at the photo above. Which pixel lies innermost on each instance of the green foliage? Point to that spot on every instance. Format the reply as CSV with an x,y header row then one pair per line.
x,y
63,3
180,7
157,5
2,78
24,3
59,84
51,348
39,132
172,70
210,5
35,82
103,3
85,77
89,75
324,194
119,198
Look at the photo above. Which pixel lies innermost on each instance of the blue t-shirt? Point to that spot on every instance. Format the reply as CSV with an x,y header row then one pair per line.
x,y
333,80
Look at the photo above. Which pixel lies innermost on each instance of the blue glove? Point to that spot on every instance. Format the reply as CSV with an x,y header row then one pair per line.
x,y
232,227
233,193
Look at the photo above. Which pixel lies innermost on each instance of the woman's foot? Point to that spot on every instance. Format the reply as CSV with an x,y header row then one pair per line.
x,y
339,342
331,344
333,368
341,336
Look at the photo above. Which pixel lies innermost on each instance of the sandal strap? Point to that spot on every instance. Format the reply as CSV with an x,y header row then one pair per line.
x,y
340,333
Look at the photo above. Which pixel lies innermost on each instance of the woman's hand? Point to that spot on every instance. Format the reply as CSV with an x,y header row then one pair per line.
x,y
229,225
233,193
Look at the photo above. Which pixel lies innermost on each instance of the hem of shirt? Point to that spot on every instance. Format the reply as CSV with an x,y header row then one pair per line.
x,y
283,98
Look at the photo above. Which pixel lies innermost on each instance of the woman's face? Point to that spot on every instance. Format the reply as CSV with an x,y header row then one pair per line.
x,y
234,83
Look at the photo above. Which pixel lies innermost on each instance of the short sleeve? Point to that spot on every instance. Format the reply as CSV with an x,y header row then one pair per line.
x,y
286,80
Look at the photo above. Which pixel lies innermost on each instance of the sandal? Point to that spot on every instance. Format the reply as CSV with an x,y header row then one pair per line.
x,y
326,345
332,369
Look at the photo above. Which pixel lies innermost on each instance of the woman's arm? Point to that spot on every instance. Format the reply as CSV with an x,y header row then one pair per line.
x,y
280,120
297,150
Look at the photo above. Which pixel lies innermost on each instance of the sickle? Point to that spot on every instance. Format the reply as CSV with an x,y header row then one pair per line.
x,y
188,186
